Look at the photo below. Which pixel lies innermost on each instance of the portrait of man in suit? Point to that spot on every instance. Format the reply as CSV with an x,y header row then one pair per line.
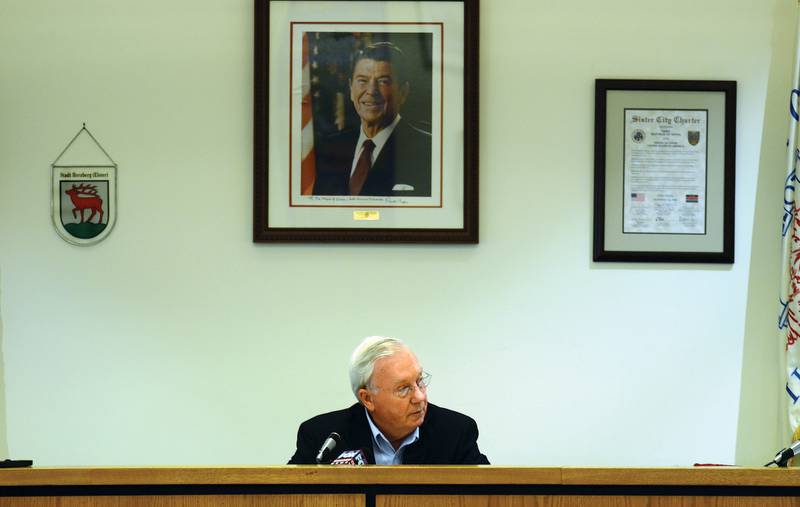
x,y
385,154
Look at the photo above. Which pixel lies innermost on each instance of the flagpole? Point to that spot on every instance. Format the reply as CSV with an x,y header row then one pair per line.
x,y
789,424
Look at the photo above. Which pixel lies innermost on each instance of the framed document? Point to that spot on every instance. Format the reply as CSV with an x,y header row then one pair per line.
x,y
366,121
664,170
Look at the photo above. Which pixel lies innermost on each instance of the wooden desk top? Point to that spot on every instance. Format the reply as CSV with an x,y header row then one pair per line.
x,y
412,475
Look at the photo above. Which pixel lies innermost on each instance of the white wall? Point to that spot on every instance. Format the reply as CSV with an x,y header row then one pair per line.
x,y
179,341
763,377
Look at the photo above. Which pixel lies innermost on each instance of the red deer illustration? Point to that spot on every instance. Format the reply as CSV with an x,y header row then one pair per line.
x,y
85,197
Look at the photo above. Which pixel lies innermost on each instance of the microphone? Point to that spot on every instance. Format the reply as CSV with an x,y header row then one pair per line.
x,y
783,456
328,446
355,457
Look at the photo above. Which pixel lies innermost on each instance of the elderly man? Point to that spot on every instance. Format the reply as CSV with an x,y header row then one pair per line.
x,y
385,156
392,423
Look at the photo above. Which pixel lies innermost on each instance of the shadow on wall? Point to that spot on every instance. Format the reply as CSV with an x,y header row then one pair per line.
x,y
3,435
762,428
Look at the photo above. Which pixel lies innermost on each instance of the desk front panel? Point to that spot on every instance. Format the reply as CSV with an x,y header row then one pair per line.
x,y
312,500
582,501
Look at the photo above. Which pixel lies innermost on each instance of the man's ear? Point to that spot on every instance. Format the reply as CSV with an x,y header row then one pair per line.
x,y
365,396
404,89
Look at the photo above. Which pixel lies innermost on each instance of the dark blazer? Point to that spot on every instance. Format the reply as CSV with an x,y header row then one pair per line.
x,y
445,438
405,159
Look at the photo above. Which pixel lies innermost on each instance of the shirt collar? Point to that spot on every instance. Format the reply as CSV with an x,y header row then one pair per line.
x,y
380,439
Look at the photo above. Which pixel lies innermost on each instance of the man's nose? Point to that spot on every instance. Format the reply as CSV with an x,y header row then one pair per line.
x,y
420,394
372,86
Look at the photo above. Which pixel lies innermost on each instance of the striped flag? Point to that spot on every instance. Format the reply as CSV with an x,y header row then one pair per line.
x,y
789,318
308,171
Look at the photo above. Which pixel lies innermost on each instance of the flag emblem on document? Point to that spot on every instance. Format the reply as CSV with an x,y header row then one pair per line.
x,y
694,137
637,197
692,198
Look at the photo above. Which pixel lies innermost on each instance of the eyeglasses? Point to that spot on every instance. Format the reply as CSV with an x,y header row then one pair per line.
x,y
422,383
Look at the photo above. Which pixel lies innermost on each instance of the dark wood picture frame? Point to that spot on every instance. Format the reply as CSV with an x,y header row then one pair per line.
x,y
462,204
716,244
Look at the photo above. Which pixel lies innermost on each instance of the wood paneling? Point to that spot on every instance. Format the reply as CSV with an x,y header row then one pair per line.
x,y
348,486
580,501
281,475
699,476
423,475
188,501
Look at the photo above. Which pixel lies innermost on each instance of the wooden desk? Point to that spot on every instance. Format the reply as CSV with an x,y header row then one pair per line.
x,y
406,486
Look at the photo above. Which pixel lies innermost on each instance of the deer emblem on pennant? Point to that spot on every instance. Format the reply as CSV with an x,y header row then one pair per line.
x,y
84,201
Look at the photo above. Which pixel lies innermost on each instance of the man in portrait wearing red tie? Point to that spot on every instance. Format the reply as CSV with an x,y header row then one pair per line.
x,y
385,156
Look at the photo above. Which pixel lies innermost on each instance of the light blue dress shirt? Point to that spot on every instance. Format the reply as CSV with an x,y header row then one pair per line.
x,y
385,454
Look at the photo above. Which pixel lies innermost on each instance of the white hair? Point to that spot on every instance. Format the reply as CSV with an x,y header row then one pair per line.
x,y
362,361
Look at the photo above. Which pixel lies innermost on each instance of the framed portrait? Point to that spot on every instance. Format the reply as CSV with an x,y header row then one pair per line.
x,y
366,121
664,170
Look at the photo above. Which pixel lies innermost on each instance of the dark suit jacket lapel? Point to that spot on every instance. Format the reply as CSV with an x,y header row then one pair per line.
x,y
385,160
417,453
381,175
360,436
